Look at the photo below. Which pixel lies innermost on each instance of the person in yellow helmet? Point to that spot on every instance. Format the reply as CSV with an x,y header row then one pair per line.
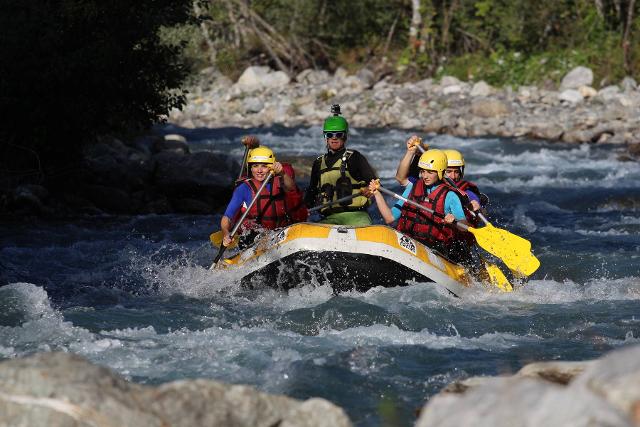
x,y
269,211
408,171
455,171
436,229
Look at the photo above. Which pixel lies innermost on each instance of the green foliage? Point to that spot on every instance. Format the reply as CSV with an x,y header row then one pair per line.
x,y
75,69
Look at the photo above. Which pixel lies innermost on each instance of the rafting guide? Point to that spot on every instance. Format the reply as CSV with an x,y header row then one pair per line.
x,y
340,174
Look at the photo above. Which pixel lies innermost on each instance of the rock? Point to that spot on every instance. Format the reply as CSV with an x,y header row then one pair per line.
x,y
556,372
176,143
451,89
515,402
253,76
202,176
252,105
175,137
579,76
616,378
366,76
276,79
449,81
259,77
108,198
608,93
60,389
313,77
481,89
340,74
628,84
587,91
571,96
486,107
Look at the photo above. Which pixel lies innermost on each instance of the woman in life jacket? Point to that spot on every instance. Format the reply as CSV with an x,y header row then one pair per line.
x,y
294,200
269,211
435,230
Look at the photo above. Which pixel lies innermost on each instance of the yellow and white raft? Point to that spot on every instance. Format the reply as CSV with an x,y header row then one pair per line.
x,y
348,258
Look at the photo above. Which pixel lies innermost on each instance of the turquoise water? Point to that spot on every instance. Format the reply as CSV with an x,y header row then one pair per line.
x,y
135,293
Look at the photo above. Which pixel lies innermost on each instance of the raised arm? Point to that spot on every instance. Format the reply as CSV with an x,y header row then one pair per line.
x,y
402,173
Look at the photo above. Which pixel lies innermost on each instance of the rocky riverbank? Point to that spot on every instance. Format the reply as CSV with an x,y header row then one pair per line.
x,y
149,175
574,112
60,389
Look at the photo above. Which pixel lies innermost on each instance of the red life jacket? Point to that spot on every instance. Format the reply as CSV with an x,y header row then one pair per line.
x,y
269,211
426,227
294,200
468,186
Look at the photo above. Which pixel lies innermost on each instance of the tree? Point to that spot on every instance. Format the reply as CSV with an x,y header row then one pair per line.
x,y
75,69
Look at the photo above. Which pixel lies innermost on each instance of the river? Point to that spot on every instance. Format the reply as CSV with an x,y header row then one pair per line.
x,y
135,293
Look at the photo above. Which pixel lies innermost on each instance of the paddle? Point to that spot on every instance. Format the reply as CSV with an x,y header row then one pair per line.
x,y
334,202
511,249
241,220
216,239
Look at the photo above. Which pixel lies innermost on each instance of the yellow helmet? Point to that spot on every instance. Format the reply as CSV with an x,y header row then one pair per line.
x,y
455,159
433,160
261,155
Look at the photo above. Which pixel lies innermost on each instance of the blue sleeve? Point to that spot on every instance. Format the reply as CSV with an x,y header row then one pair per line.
x,y
453,206
473,196
241,194
397,207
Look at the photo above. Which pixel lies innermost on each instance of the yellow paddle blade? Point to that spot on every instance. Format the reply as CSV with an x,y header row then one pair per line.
x,y
216,240
513,250
497,278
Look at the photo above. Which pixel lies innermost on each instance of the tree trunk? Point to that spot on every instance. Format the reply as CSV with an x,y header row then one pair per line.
x,y
416,24
625,39
205,34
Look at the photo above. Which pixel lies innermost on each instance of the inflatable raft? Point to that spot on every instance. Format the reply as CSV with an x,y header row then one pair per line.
x,y
347,258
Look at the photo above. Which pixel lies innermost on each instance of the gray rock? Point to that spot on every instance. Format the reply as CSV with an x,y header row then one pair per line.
x,y
515,402
608,93
571,96
59,389
176,143
579,76
486,107
253,76
629,84
366,76
313,77
481,89
252,105
556,372
449,81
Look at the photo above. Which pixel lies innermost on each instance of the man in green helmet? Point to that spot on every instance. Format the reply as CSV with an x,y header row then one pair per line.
x,y
338,174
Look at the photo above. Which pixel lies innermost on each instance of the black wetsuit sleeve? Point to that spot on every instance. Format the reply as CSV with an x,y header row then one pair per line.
x,y
311,193
360,169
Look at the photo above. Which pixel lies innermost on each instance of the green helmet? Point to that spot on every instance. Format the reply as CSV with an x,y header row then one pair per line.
x,y
335,124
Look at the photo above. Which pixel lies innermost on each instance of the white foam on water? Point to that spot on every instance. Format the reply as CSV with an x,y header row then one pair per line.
x,y
553,292
43,328
383,335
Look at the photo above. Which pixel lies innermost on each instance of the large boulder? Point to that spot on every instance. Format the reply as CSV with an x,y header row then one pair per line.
x,y
601,392
579,76
64,390
203,176
260,77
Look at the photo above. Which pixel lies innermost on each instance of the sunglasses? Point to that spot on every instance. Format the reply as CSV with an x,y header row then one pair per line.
x,y
338,135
